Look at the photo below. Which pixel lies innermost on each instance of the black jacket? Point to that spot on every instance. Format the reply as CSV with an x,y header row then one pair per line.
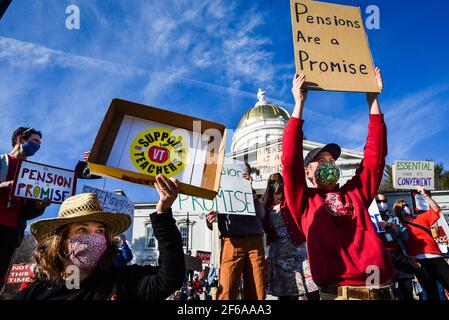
x,y
131,282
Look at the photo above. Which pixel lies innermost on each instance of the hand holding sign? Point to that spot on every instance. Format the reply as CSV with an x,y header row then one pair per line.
x,y
387,225
6,185
211,217
299,94
371,96
422,191
379,79
168,192
43,204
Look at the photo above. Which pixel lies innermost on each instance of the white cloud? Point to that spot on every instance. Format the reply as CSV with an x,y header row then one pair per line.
x,y
26,55
158,47
414,119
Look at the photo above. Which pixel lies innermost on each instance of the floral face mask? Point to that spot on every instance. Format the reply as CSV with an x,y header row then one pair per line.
x,y
327,174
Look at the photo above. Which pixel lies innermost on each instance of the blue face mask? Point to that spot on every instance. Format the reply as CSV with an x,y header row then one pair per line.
x,y
30,148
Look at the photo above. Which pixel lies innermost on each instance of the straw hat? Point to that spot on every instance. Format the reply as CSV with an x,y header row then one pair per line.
x,y
81,207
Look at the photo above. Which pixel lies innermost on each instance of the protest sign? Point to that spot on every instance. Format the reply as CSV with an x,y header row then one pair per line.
x,y
409,175
113,202
331,47
419,202
38,181
204,256
269,161
137,142
375,216
20,273
234,196
441,240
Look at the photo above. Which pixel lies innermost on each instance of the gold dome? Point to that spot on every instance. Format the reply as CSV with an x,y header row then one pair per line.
x,y
263,112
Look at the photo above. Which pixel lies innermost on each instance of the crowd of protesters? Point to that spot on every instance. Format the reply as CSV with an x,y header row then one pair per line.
x,y
321,239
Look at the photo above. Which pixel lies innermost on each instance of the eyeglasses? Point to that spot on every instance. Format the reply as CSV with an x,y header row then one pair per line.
x,y
381,201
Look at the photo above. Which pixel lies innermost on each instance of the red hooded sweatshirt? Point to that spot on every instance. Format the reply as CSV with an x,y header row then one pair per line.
x,y
342,241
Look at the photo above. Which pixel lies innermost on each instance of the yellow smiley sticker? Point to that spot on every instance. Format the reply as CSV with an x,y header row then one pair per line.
x,y
159,151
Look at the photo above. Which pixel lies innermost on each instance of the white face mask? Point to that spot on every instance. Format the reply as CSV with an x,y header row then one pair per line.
x,y
382,206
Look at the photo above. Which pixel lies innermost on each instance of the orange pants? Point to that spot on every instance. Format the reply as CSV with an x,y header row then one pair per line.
x,y
242,256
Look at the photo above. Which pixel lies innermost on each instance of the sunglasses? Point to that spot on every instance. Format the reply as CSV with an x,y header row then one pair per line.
x,y
381,201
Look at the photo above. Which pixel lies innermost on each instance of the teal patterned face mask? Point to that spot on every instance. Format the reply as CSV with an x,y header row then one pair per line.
x,y
327,174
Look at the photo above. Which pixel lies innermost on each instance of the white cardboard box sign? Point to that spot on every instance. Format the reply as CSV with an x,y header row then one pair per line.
x,y
137,142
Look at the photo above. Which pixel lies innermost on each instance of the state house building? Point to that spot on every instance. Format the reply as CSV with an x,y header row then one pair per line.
x,y
256,140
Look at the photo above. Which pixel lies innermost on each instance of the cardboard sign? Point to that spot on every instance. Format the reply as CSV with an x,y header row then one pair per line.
x,y
269,161
137,142
193,263
375,216
204,256
331,47
38,181
111,201
20,273
409,175
234,196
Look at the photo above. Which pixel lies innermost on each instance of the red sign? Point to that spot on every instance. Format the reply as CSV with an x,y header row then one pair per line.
x,y
159,154
20,273
442,237
204,256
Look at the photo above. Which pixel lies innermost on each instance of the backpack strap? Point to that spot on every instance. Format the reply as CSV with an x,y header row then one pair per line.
x,y
419,227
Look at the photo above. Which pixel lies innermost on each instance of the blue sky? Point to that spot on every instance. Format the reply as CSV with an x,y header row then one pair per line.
x,y
207,59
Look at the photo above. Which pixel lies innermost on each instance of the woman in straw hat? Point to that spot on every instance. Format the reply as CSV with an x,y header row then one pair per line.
x,y
75,252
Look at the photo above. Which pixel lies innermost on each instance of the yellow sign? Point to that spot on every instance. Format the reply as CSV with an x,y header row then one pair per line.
x,y
331,47
159,151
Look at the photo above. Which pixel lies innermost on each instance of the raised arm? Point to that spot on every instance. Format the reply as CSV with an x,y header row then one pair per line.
x,y
369,175
159,283
211,217
429,199
292,153
372,98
